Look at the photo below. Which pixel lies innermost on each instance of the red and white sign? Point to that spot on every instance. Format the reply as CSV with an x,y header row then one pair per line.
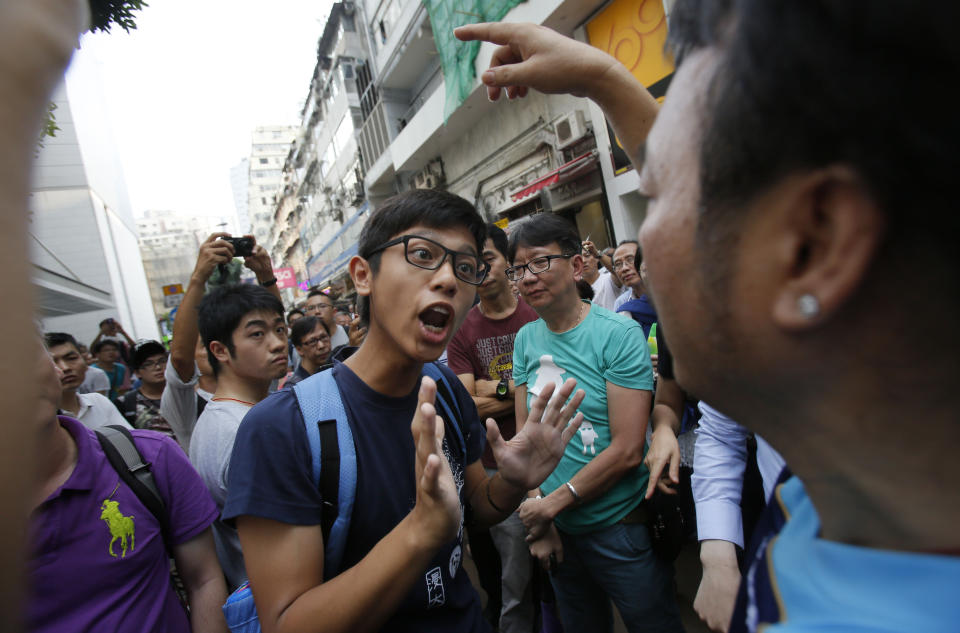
x,y
286,278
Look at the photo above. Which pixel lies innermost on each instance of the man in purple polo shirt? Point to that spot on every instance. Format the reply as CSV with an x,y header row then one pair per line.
x,y
97,559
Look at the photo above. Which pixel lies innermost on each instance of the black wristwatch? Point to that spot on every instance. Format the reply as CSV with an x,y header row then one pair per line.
x,y
503,389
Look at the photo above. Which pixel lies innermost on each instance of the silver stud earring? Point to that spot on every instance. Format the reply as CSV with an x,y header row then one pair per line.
x,y
808,305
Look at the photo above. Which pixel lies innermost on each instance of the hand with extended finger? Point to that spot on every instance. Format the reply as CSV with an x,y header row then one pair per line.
x,y
213,252
536,517
437,510
533,56
664,452
532,454
548,549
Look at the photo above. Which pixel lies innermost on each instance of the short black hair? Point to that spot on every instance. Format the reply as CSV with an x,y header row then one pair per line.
x,y
341,310
104,342
316,292
584,289
542,230
803,85
52,339
499,238
638,256
222,309
303,327
428,207
144,350
295,311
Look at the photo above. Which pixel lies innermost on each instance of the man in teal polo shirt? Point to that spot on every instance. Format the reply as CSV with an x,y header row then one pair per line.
x,y
586,521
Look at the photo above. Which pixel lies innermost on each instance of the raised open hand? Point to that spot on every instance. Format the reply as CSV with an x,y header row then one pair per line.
x,y
532,454
437,510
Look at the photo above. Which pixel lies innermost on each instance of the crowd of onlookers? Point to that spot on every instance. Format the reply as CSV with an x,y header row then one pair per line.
x,y
529,400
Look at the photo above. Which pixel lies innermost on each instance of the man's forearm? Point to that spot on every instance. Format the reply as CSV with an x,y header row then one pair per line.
x,y
206,601
491,407
628,105
594,479
366,595
503,494
663,416
186,330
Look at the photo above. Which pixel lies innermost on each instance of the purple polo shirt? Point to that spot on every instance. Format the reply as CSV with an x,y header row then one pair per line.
x,y
76,584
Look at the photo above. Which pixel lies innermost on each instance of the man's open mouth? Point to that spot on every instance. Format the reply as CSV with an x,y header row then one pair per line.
x,y
436,318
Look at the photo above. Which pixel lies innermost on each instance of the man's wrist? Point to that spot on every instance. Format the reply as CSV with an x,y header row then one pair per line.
x,y
664,426
716,553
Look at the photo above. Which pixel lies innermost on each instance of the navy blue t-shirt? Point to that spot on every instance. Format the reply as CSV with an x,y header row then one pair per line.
x,y
270,477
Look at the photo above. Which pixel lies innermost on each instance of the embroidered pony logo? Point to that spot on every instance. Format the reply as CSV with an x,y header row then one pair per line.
x,y
121,527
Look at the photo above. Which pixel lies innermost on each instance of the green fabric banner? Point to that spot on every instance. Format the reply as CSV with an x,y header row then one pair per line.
x,y
456,57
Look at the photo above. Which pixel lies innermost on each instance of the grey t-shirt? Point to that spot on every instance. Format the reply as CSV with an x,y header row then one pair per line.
x,y
339,337
210,449
178,404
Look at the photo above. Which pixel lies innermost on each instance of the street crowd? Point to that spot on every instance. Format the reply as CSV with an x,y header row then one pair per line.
x,y
567,417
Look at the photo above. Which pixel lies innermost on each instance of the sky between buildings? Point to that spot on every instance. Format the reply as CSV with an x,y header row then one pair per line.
x,y
186,88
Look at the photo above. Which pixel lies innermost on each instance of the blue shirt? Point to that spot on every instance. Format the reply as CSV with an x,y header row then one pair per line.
x,y
270,477
798,582
719,462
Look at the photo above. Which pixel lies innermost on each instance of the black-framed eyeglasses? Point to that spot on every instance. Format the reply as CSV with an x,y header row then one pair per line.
x,y
425,253
536,265
310,342
154,364
619,265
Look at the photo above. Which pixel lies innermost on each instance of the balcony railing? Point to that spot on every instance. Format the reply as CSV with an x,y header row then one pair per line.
x,y
374,137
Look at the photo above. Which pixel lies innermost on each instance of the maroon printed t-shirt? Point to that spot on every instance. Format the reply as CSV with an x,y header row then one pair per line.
x,y
484,347
97,558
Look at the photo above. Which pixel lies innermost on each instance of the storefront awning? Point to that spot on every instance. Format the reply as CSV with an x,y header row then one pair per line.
x,y
569,171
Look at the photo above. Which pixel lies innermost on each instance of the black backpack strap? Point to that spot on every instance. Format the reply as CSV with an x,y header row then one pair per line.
x,y
329,475
126,459
129,406
201,404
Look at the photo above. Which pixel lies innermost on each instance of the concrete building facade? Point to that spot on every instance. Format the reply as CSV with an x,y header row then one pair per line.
x,y
86,263
169,244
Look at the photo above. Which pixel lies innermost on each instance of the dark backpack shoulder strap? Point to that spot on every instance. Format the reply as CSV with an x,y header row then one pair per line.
x,y
333,461
447,402
201,404
129,406
126,459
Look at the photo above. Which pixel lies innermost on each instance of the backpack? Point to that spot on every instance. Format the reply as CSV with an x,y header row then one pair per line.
x,y
128,406
334,465
125,458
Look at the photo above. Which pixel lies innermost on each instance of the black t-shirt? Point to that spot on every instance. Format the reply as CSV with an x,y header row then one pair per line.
x,y
270,477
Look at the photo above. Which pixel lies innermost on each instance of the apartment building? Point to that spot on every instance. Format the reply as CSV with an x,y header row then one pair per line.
x,y
539,154
421,119
268,151
319,213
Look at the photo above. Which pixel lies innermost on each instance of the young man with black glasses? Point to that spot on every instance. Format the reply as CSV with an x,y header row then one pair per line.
x,y
416,274
311,339
141,406
588,520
